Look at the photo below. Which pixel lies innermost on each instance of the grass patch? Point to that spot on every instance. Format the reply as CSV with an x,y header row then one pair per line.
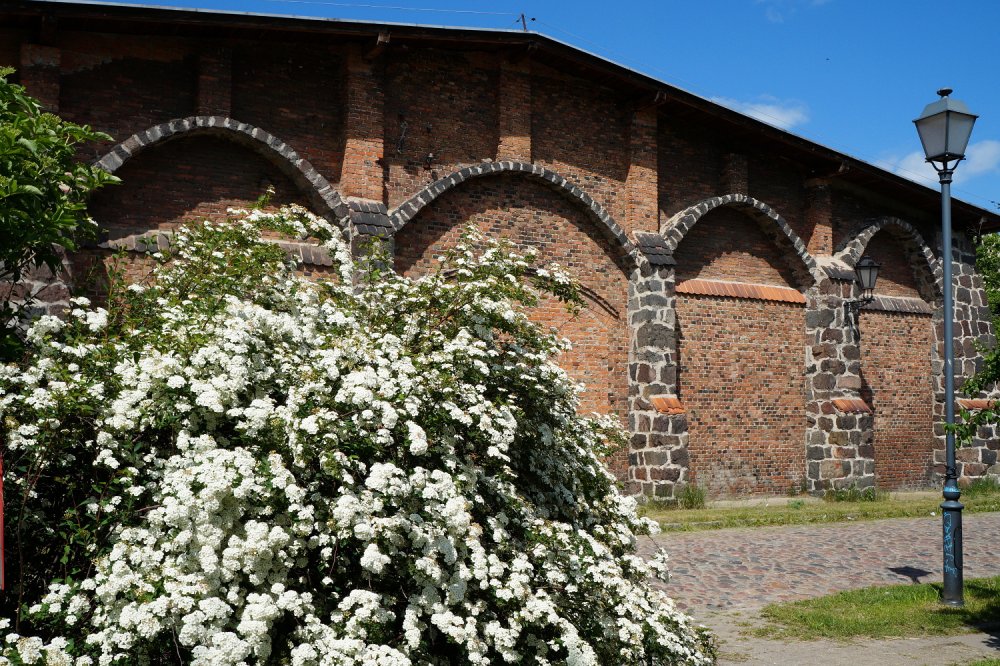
x,y
884,612
800,511
691,497
854,494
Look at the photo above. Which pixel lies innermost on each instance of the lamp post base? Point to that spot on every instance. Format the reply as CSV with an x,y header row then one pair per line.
x,y
952,593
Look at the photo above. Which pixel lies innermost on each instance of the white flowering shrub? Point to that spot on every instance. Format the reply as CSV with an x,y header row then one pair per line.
x,y
235,465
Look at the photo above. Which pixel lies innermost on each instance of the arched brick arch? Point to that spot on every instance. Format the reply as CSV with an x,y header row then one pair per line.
x,y
411,207
677,227
317,189
912,241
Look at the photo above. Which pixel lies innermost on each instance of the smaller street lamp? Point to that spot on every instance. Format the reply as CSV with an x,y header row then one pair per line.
x,y
865,274
944,128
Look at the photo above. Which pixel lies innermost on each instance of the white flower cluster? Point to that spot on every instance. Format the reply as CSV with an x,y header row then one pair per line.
x,y
260,469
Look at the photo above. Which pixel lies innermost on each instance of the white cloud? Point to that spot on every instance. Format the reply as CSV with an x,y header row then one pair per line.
x,y
776,11
982,157
785,114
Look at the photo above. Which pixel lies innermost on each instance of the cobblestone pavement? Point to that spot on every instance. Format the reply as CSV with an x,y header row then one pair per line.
x,y
746,569
724,577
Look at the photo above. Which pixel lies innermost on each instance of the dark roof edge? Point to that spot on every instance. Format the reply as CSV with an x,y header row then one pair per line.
x,y
968,214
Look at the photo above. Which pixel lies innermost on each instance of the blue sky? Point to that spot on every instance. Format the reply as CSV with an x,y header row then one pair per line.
x,y
849,74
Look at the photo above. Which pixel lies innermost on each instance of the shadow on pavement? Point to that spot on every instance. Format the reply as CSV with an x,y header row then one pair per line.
x,y
913,573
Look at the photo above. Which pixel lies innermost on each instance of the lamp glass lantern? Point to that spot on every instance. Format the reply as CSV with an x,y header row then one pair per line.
x,y
944,128
866,273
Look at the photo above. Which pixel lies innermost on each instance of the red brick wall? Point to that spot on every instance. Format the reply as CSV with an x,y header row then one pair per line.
x,y
741,380
533,216
125,85
581,131
728,245
741,365
199,176
690,164
308,113
10,52
448,102
896,371
779,184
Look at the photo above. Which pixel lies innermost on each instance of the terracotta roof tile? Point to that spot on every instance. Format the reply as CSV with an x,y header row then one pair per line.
x,y
852,405
729,289
667,404
975,403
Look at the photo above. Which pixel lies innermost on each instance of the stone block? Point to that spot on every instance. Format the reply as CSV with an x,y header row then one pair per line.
x,y
838,438
968,454
655,458
664,473
816,452
833,469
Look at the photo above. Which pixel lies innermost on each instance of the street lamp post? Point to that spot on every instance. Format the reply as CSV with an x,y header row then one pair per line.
x,y
944,128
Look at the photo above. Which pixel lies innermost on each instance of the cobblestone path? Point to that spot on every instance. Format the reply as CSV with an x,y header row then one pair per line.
x,y
723,577
745,569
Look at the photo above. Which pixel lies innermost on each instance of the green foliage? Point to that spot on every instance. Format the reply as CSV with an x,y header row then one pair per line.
x,y
43,193
982,487
691,497
855,494
988,266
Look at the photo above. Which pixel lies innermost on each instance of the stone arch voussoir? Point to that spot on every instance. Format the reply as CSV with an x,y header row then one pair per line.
x,y
320,193
913,242
411,207
677,227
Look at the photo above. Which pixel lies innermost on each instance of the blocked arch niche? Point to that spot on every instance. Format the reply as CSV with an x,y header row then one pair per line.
x,y
677,227
742,286
410,208
525,207
318,191
928,270
898,350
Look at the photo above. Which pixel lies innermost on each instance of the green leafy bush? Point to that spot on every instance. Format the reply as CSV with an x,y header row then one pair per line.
x,y
234,465
43,195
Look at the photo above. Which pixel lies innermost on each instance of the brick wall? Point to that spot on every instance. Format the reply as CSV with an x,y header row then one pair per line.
x,y
690,163
896,370
308,114
741,380
122,86
779,183
452,117
581,130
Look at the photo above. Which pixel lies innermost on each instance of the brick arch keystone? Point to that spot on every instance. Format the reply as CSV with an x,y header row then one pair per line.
x,y
911,239
317,189
677,227
411,207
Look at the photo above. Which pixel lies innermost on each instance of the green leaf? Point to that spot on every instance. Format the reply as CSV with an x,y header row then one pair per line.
x,y
29,144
